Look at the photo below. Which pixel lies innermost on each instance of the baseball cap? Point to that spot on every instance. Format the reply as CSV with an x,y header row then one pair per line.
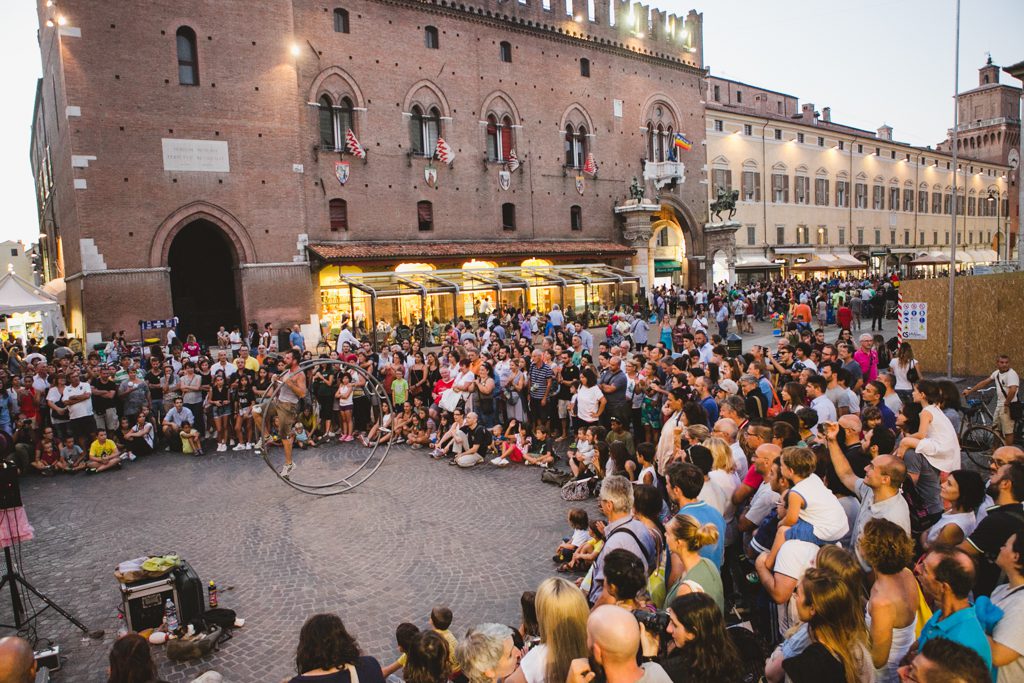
x,y
728,386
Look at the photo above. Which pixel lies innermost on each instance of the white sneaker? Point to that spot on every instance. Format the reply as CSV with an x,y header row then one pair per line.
x,y
248,446
132,457
221,447
239,447
287,470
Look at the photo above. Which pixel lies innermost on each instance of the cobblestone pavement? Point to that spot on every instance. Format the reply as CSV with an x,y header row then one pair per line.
x,y
419,533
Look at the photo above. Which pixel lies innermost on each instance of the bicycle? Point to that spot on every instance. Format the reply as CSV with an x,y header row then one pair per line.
x,y
977,437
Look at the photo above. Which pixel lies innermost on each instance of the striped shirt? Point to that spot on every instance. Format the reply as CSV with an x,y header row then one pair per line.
x,y
540,375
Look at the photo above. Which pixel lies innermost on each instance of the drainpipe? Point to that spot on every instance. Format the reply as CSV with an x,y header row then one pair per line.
x,y
764,177
851,190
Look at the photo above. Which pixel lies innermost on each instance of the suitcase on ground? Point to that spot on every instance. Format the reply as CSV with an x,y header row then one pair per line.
x,y
144,601
190,592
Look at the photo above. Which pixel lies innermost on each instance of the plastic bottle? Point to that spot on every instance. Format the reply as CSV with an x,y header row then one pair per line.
x,y
170,616
122,628
213,594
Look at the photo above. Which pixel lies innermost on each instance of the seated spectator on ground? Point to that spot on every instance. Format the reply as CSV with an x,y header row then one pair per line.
x,y
103,453
17,663
488,653
328,654
130,661
562,618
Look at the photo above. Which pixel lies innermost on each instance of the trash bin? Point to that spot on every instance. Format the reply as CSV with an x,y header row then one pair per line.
x,y
735,344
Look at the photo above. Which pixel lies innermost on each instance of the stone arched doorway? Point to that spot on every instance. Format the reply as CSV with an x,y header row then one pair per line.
x,y
668,254
204,279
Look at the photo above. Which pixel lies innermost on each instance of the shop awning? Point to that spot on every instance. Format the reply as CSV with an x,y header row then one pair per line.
x,y
389,284
935,258
349,252
819,262
20,296
985,256
849,261
755,262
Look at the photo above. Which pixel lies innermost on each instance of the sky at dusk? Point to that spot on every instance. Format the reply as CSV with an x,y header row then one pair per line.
x,y
871,61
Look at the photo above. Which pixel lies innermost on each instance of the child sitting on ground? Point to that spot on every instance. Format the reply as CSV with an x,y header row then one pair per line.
x,y
441,619
542,450
517,441
300,435
583,558
404,636
813,513
48,460
497,447
190,444
72,454
580,522
582,457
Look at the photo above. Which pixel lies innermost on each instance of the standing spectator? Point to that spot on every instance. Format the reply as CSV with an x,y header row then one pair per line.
x,y
943,661
946,577
867,357
78,399
1007,387
614,638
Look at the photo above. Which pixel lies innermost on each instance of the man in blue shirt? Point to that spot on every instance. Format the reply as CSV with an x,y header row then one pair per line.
x,y
295,339
947,577
708,401
684,481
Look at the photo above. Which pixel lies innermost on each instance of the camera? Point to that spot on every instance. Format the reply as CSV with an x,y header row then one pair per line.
x,y
656,623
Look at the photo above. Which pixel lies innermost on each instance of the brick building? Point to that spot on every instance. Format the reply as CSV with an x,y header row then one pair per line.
x,y
188,155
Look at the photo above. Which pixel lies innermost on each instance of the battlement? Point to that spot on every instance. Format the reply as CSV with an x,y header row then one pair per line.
x,y
621,24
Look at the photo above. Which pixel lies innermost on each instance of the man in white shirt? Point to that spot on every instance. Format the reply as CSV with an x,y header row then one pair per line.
x,y
727,429
704,347
78,398
222,365
1007,387
826,410
556,317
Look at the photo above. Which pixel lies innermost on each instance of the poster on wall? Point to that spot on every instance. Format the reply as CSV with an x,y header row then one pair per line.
x,y
915,320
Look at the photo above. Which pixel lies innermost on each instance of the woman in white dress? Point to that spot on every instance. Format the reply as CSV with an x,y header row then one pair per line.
x,y
963,491
936,439
892,607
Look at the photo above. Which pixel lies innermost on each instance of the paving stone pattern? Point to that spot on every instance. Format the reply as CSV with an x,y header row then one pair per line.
x,y
419,533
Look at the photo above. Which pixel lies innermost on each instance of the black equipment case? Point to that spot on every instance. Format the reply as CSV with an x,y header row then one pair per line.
x,y
144,600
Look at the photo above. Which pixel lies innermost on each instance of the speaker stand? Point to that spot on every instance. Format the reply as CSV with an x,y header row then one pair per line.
x,y
12,578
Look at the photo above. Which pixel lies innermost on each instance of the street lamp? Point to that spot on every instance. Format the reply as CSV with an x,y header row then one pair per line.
x,y
993,197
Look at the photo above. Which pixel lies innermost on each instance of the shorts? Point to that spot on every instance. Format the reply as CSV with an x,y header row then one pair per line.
x,y
83,426
804,531
563,409
345,409
285,413
107,419
245,412
1003,423
221,411
61,430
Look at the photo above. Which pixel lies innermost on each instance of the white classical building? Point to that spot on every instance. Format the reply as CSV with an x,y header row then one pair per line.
x,y
817,194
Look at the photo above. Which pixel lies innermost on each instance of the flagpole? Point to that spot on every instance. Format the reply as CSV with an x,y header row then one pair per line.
x,y
954,207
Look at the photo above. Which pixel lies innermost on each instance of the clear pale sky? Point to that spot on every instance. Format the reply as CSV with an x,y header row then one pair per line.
x,y
872,61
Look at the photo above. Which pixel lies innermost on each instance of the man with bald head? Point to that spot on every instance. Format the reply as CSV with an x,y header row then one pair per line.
x,y
613,638
878,491
17,663
765,498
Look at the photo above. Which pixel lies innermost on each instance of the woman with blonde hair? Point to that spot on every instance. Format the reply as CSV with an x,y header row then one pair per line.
x,y
562,613
723,474
839,639
692,573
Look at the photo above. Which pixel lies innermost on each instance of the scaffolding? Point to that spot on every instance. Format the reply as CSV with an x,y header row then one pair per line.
x,y
420,302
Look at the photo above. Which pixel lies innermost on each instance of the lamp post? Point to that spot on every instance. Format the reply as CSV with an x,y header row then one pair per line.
x,y
954,142
993,197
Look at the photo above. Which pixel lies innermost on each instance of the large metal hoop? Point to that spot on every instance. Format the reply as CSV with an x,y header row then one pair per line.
x,y
370,464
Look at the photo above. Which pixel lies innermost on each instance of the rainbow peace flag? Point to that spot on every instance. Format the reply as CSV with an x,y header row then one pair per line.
x,y
682,142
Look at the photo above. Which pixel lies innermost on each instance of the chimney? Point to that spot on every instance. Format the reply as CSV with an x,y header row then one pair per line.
x,y
885,133
826,114
807,113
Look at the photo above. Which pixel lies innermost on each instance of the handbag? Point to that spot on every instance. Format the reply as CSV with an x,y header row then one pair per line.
x,y
913,376
576,489
776,408
553,476
449,400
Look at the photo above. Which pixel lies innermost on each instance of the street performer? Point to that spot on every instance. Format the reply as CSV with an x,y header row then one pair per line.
x,y
286,406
